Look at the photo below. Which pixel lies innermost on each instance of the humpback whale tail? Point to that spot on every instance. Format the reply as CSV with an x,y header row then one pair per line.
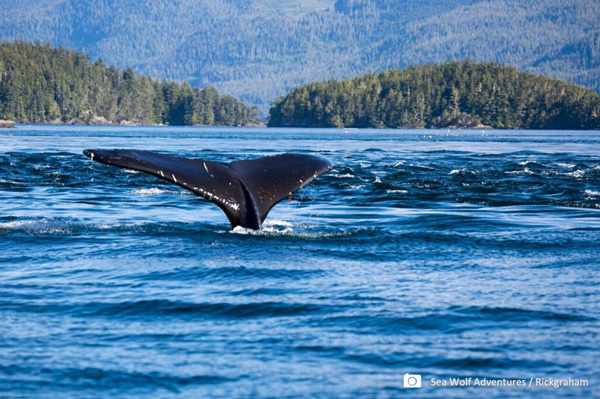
x,y
245,190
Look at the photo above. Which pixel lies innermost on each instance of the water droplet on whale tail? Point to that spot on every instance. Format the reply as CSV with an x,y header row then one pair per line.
x,y
245,190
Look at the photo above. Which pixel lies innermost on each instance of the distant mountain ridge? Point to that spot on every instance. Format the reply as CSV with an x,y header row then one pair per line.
x,y
258,50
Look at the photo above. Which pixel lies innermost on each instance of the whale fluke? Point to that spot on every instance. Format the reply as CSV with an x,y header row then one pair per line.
x,y
245,190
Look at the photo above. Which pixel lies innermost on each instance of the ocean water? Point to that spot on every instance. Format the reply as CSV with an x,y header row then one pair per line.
x,y
439,253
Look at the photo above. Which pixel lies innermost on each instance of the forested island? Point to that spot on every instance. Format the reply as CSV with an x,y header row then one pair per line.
x,y
42,84
453,94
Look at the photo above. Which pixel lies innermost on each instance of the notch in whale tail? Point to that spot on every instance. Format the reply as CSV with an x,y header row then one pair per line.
x,y
245,190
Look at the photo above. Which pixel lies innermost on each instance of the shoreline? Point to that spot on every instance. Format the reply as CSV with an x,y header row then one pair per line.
x,y
4,124
7,124
126,124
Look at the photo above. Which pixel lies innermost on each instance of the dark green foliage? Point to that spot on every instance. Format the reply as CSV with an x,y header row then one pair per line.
x,y
39,83
459,94
257,50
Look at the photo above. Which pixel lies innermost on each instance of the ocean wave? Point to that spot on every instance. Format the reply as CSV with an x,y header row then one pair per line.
x,y
79,379
37,227
578,174
163,307
536,165
525,171
593,172
421,167
229,274
72,226
518,314
454,319
463,172
565,165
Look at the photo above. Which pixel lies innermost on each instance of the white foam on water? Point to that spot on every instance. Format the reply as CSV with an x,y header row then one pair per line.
x,y
396,191
566,165
119,225
156,191
344,176
525,171
525,163
277,222
578,174
264,231
38,226
15,224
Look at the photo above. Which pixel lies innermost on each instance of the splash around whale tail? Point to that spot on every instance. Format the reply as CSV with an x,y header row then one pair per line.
x,y
245,190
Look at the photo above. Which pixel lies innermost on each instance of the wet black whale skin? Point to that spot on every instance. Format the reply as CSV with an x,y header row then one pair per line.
x,y
245,190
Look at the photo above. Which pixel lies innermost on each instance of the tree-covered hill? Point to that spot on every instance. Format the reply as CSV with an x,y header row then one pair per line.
x,y
39,83
453,94
258,49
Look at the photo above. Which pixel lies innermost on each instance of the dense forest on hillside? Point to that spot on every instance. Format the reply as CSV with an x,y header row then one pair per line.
x,y
257,50
39,83
460,94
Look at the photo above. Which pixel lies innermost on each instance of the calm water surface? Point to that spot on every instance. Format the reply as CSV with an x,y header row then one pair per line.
x,y
442,253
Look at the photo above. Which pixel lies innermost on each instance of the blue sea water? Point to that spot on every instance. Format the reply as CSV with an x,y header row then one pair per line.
x,y
440,253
